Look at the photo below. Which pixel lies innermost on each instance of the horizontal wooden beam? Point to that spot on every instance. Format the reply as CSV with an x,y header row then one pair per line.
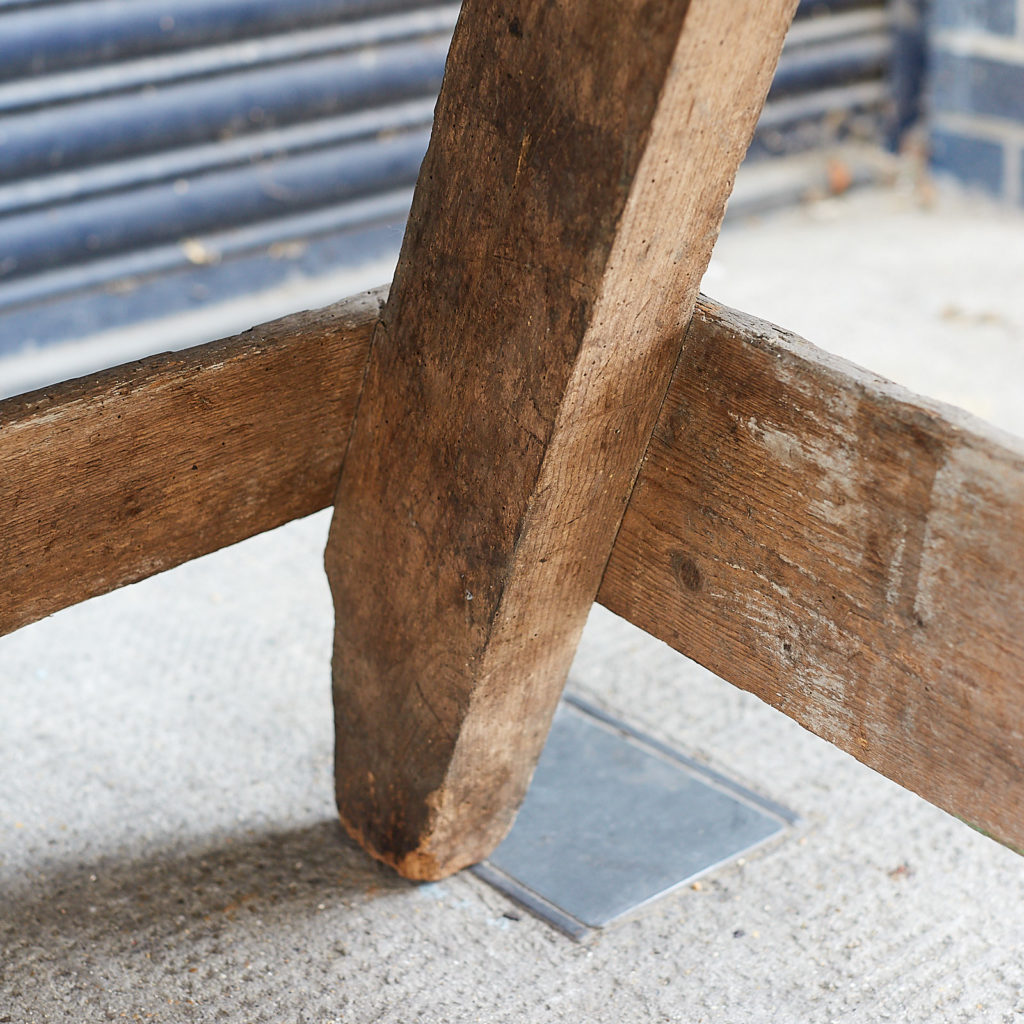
x,y
111,478
847,551
850,553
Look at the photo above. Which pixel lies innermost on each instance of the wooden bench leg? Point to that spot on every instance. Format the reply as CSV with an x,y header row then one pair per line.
x,y
581,159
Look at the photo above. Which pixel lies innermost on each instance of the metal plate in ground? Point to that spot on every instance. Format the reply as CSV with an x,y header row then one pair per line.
x,y
614,819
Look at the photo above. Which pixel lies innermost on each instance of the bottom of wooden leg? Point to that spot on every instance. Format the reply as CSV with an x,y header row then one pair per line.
x,y
416,866
421,864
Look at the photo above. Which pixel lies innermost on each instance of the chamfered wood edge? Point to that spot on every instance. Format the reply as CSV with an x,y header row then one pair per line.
x,y
121,474
843,549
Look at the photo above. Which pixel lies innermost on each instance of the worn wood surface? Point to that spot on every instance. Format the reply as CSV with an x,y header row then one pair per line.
x,y
847,551
852,554
575,182
111,478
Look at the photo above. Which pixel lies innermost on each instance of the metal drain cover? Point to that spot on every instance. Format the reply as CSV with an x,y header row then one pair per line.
x,y
614,819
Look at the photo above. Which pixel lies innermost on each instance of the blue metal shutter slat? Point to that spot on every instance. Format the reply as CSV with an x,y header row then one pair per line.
x,y
185,114
144,124
43,39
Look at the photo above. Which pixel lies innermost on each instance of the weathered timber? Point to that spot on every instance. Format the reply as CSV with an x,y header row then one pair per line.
x,y
849,552
580,161
811,533
114,477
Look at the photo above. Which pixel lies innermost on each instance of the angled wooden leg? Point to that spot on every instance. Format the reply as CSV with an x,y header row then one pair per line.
x,y
581,159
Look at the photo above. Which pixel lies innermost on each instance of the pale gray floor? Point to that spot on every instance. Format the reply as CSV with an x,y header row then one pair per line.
x,y
168,849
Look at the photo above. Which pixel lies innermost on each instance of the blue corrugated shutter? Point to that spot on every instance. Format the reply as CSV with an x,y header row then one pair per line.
x,y
159,154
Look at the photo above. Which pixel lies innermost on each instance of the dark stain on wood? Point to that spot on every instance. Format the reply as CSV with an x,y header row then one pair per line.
x,y
686,571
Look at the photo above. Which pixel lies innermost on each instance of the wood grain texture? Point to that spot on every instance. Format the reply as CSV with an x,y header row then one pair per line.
x,y
849,552
114,477
581,158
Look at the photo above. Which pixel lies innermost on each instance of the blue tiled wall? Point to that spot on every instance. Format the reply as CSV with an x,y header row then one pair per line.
x,y
975,98
974,161
983,15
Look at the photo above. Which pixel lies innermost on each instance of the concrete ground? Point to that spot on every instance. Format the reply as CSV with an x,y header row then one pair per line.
x,y
168,845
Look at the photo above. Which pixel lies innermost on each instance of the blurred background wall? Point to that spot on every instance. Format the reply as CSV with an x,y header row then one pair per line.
x,y
975,93
166,158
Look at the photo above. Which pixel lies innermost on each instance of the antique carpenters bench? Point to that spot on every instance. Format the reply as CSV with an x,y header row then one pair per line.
x,y
541,414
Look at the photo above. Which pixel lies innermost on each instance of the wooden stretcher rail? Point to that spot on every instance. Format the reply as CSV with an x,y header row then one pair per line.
x,y
843,549
111,478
